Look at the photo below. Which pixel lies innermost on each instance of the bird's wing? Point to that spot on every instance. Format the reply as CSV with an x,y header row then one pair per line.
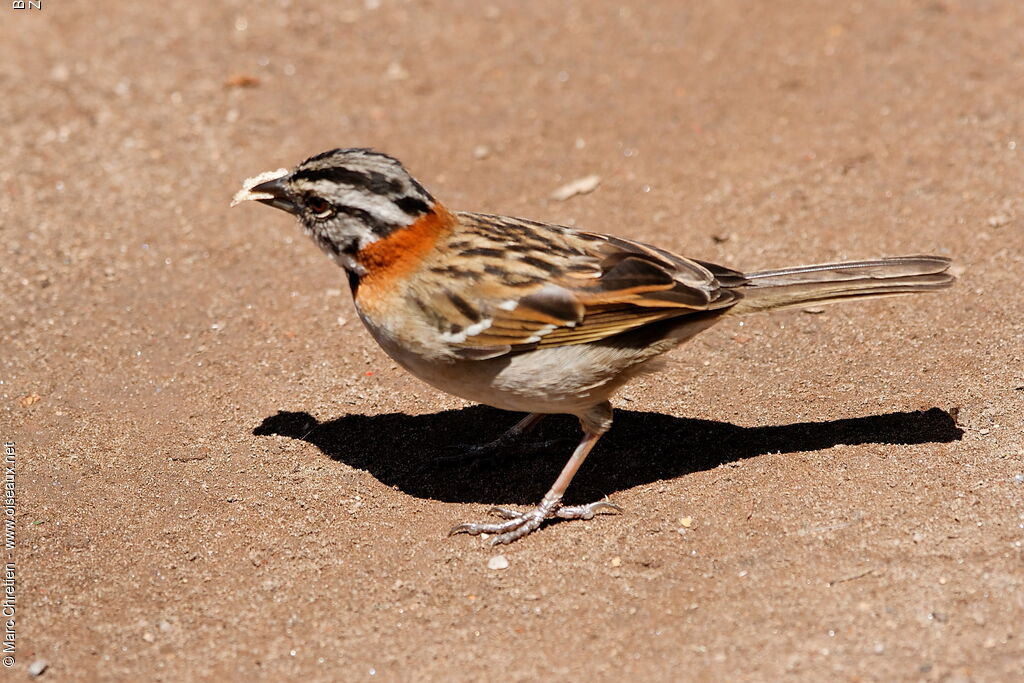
x,y
508,284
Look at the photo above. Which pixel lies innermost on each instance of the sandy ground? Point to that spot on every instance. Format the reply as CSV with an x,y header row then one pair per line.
x,y
216,466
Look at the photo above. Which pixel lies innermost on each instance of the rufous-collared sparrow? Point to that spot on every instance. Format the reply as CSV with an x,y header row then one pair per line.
x,y
529,316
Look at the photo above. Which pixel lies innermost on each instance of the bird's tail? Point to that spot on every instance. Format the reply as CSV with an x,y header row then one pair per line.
x,y
770,290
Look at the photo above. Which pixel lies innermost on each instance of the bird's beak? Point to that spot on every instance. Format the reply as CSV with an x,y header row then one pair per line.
x,y
267,188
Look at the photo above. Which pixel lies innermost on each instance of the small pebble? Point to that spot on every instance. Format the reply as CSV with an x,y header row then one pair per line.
x,y
498,562
686,521
60,73
396,72
481,152
814,310
37,667
242,81
616,561
999,220
582,185
1019,478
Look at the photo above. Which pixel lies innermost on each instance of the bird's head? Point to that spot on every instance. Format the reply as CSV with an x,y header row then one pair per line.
x,y
345,199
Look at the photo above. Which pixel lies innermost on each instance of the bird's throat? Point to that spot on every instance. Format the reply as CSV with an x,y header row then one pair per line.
x,y
401,251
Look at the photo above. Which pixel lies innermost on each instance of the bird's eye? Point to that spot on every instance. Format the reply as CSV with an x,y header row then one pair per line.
x,y
319,207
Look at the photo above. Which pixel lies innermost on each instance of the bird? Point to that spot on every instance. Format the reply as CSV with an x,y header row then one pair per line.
x,y
529,316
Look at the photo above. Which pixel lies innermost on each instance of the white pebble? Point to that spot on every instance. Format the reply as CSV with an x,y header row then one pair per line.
x,y
579,186
498,562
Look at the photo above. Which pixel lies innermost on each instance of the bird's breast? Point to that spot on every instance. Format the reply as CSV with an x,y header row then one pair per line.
x,y
392,261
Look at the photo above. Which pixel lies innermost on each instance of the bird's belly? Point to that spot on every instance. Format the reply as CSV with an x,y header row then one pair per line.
x,y
562,379
558,379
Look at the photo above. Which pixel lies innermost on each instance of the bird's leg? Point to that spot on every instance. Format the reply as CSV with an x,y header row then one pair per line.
x,y
595,422
521,428
475,453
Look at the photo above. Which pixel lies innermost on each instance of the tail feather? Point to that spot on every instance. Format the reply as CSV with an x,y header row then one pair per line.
x,y
832,282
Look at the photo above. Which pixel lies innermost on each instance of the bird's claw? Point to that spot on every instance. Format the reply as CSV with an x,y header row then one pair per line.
x,y
519,524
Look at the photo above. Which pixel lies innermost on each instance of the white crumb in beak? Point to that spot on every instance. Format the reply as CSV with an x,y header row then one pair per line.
x,y
246,193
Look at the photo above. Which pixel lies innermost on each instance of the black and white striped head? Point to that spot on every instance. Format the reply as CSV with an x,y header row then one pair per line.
x,y
345,199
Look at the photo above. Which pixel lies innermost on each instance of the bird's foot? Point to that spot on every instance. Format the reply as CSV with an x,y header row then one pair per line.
x,y
519,524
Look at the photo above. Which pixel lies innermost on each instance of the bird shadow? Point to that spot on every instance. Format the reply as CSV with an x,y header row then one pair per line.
x,y
402,450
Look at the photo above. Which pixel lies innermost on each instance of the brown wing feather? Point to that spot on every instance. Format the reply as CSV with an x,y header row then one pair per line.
x,y
508,284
